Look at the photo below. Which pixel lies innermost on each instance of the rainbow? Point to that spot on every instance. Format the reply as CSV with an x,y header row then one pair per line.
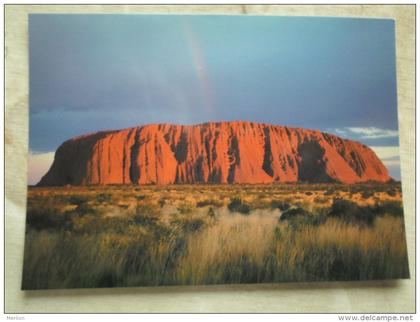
x,y
200,67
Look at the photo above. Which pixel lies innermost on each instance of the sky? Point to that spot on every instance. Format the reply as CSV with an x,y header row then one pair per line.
x,y
100,72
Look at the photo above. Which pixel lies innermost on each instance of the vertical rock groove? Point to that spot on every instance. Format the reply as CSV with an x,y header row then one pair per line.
x,y
268,156
214,152
234,158
134,153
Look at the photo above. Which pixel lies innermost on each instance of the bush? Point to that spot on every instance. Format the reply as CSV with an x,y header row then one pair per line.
x,y
367,194
298,217
393,208
104,197
292,213
78,200
282,205
44,218
237,205
351,212
208,202
49,214
391,193
83,209
329,192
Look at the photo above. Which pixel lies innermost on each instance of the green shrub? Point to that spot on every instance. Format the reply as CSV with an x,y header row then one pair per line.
x,y
104,197
367,194
292,213
282,205
298,218
391,193
351,212
208,202
83,209
237,205
393,208
44,218
78,200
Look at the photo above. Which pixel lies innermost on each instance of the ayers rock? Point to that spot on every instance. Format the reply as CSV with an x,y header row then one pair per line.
x,y
216,152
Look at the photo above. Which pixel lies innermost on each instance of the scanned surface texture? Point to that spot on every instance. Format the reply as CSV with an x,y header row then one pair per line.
x,y
390,296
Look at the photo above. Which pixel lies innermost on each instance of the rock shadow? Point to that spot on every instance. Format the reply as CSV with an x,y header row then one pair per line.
x,y
312,165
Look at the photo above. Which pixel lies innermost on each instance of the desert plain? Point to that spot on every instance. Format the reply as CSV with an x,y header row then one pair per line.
x,y
149,235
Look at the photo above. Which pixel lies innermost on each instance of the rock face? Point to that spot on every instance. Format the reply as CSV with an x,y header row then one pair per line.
x,y
222,152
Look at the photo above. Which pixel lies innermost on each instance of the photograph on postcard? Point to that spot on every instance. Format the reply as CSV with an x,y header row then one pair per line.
x,y
212,149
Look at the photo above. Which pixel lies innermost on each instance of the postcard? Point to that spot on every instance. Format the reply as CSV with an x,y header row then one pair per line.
x,y
212,149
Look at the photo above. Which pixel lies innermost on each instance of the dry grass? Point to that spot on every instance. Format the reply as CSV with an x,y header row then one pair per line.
x,y
338,251
131,236
223,252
